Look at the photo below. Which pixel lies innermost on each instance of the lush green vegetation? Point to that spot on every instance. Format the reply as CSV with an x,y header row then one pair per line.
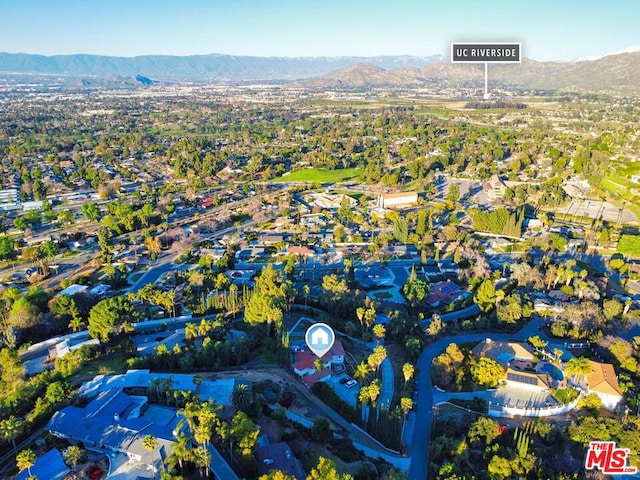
x,y
316,175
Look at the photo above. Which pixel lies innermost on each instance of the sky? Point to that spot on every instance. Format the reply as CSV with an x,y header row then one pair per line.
x,y
547,29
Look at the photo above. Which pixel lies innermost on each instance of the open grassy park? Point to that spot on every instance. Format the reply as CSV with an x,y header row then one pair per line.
x,y
320,175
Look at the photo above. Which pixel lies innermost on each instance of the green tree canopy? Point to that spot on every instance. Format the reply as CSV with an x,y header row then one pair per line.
x,y
486,372
7,248
629,245
108,314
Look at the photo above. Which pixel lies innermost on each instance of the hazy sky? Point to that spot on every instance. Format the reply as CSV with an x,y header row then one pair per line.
x,y
548,29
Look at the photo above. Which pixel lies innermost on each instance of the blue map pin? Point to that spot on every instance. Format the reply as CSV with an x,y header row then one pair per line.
x,y
320,338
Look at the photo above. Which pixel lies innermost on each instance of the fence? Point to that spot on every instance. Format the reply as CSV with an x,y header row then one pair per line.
x,y
498,410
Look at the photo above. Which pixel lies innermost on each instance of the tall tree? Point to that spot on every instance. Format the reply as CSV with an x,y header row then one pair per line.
x,y
407,371
362,371
10,428
150,443
25,459
578,367
73,454
241,397
326,470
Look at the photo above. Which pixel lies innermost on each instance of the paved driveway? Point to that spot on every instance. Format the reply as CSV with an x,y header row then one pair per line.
x,y
386,392
347,394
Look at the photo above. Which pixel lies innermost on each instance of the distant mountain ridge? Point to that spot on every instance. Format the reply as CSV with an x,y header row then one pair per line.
x,y
214,67
620,71
617,71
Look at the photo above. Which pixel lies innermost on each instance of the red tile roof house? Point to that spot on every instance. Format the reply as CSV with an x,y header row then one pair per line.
x,y
440,292
301,250
304,364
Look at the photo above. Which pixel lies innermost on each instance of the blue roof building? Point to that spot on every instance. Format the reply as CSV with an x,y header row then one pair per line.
x,y
49,466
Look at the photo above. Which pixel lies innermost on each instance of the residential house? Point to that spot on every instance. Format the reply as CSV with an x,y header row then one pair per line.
x,y
443,292
301,251
330,201
431,270
270,239
304,363
495,188
116,422
603,382
278,456
503,352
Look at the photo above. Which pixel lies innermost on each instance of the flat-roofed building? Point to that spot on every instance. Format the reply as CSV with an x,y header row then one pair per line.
x,y
398,200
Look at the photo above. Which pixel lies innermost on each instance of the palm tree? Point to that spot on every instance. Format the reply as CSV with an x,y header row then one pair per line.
x,y
205,327
25,459
579,367
363,395
377,357
149,442
378,332
407,371
406,404
241,396
306,290
362,372
181,451
360,314
73,454
201,459
10,428
317,363
374,391
190,413
190,332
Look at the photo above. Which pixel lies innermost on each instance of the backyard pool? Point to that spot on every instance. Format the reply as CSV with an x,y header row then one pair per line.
x,y
553,371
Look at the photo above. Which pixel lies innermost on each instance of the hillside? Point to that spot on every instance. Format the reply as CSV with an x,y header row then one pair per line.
x,y
621,71
212,67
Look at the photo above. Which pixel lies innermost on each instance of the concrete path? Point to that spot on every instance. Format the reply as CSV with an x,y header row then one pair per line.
x,y
388,382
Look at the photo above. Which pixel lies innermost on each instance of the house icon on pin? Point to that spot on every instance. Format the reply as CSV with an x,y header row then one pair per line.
x,y
319,337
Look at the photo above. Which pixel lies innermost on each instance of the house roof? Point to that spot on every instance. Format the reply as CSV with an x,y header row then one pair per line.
x,y
97,425
527,378
317,376
278,457
305,359
300,250
603,379
390,196
502,352
49,466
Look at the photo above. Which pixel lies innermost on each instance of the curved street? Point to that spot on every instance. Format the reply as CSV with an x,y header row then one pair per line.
x,y
424,411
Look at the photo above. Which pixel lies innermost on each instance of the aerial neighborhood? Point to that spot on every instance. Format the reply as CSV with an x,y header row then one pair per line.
x,y
166,247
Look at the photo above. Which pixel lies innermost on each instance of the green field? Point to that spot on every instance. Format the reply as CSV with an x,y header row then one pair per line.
x,y
321,176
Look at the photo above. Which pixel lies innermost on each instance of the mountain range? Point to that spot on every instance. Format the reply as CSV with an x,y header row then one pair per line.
x,y
613,72
212,67
617,71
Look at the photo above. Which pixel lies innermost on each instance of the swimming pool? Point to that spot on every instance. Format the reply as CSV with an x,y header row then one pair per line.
x,y
553,371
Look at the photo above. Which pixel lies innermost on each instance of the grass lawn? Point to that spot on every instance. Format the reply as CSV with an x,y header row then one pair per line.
x,y
109,364
614,186
319,175
316,451
382,295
